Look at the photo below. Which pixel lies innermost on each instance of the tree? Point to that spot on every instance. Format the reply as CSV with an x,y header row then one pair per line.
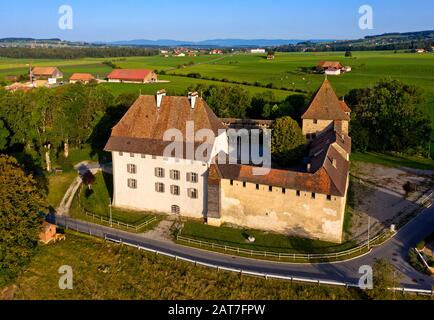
x,y
226,101
20,222
388,118
348,54
88,179
4,134
287,141
385,277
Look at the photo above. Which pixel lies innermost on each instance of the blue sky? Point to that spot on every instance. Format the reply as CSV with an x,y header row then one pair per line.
x,y
192,20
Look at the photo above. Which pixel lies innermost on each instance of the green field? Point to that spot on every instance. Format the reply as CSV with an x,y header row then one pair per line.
x,y
285,71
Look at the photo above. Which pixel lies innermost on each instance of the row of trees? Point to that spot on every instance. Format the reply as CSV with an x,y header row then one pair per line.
x,y
237,102
74,53
44,121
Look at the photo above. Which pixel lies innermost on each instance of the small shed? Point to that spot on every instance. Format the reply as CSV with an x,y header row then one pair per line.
x,y
48,232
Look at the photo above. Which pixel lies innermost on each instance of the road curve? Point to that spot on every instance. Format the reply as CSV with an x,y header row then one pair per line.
x,y
395,250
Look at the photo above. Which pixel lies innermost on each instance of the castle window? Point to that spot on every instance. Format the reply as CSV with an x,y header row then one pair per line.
x,y
192,193
298,193
244,184
143,156
121,154
132,168
232,182
283,190
132,155
159,172
132,183
154,157
270,188
175,174
313,195
315,121
175,190
329,197
175,209
257,187
159,187
192,177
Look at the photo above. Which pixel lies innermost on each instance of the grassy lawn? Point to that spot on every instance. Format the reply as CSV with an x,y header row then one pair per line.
x,y
97,201
57,186
391,160
265,241
106,271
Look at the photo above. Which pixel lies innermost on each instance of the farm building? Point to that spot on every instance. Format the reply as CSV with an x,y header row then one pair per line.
x,y
48,232
332,68
257,50
216,51
46,73
308,201
81,77
132,76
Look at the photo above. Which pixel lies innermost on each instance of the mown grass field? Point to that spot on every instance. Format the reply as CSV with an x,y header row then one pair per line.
x,y
283,71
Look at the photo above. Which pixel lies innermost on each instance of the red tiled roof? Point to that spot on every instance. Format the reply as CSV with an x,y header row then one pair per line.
x,y
326,105
330,65
82,77
142,128
323,177
44,71
129,74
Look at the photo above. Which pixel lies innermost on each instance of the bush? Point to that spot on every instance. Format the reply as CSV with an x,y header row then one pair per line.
x,y
420,245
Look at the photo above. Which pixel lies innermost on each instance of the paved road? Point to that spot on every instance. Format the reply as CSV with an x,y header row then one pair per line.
x,y
395,250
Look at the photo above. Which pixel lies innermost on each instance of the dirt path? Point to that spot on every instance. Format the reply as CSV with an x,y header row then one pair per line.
x,y
163,231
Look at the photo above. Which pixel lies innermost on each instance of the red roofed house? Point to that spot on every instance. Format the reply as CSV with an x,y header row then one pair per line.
x,y
307,202
46,73
132,76
81,77
332,68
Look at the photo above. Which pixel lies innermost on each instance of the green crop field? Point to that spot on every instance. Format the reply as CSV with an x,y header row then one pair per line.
x,y
284,71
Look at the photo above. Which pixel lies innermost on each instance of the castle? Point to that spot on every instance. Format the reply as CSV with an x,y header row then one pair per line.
x,y
307,202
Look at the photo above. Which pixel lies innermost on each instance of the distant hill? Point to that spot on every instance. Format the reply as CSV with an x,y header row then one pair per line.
x,y
386,41
211,43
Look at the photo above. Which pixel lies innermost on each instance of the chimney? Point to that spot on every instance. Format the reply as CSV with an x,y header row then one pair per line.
x,y
160,95
192,96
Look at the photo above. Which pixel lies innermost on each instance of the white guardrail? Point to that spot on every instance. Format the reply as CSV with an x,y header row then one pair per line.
x,y
259,274
350,253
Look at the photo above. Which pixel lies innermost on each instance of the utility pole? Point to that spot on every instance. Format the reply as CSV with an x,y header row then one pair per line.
x,y
110,209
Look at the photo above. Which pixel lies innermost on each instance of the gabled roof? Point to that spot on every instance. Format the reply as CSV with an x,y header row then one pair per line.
x,y
129,74
44,71
323,177
82,77
142,128
326,105
330,65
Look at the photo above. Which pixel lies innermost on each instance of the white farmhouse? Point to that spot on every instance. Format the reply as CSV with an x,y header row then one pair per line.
x,y
257,50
